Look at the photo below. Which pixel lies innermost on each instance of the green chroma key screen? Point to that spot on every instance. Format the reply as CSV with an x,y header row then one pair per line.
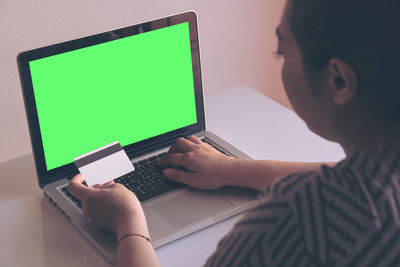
x,y
125,90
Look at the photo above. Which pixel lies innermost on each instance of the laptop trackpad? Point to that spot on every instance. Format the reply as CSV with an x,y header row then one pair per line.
x,y
191,206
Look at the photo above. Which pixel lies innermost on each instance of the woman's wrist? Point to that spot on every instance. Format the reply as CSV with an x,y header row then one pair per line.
x,y
227,171
247,173
132,222
131,226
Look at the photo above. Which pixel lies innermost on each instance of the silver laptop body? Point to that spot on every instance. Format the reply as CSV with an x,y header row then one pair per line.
x,y
169,216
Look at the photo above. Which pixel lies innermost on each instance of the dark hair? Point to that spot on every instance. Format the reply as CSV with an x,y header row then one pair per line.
x,y
364,33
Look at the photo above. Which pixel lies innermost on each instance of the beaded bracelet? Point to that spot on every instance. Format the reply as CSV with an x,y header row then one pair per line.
x,y
128,235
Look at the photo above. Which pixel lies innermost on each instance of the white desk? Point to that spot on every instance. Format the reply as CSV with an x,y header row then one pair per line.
x,y
34,234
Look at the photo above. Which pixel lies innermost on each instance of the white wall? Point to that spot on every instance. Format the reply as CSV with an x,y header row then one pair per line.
x,y
237,41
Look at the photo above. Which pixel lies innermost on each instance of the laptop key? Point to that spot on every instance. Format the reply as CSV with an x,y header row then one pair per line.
x,y
146,188
153,158
143,162
152,171
154,178
147,173
146,180
156,184
136,184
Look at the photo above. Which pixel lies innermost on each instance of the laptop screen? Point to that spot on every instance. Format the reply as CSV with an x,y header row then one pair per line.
x,y
139,85
125,90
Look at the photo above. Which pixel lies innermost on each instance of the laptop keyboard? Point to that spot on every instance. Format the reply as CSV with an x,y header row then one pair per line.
x,y
146,181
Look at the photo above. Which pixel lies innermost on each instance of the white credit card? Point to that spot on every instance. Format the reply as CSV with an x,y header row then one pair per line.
x,y
104,164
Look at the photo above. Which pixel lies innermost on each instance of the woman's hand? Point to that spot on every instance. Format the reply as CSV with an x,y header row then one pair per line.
x,y
202,166
110,206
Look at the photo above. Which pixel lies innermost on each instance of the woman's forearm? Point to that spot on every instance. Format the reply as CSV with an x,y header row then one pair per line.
x,y
257,174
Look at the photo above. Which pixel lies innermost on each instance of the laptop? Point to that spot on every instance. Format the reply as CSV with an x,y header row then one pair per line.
x,y
140,85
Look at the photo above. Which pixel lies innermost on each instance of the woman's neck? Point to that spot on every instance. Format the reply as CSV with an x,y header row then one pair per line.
x,y
369,132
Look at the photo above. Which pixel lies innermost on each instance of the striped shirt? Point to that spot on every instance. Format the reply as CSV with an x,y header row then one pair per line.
x,y
347,215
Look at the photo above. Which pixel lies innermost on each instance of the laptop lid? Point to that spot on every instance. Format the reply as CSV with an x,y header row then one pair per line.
x,y
140,85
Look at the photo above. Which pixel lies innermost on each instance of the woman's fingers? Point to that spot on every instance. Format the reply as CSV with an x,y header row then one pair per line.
x,y
109,184
194,139
181,145
191,178
179,176
77,189
174,159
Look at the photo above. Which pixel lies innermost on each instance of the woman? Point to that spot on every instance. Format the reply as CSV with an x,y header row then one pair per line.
x,y
340,74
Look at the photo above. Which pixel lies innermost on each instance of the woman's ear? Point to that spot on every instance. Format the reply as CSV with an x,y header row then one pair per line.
x,y
342,81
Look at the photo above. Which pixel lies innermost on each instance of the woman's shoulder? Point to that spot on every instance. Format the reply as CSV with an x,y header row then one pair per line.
x,y
354,197
375,168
